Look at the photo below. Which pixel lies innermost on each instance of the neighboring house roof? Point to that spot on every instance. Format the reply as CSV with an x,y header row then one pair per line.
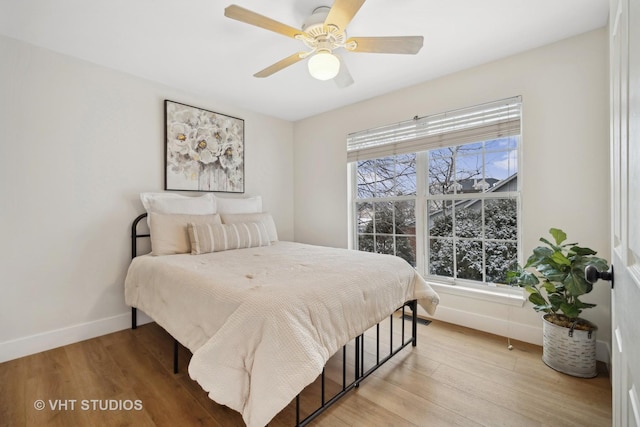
x,y
497,186
474,185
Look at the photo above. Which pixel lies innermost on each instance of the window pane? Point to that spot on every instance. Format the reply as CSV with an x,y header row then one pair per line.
x,y
500,216
441,176
406,249
384,245
441,257
385,177
509,143
405,217
469,168
469,219
500,165
364,217
501,257
440,219
365,178
469,259
473,148
383,217
442,152
405,173
365,242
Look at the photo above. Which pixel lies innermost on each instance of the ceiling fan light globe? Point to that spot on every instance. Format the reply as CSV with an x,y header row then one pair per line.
x,y
323,66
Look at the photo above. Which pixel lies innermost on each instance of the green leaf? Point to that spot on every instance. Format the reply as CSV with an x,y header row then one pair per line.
x,y
570,310
537,299
581,304
532,290
558,257
551,287
554,247
539,255
544,307
559,235
599,263
528,278
556,301
576,284
512,277
582,251
552,272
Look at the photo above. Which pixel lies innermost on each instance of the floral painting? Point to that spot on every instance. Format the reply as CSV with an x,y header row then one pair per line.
x,y
204,150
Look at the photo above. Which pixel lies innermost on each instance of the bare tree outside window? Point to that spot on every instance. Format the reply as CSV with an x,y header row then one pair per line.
x,y
386,220
469,237
471,224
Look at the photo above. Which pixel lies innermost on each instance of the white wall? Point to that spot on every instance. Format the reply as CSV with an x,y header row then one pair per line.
x,y
564,175
78,143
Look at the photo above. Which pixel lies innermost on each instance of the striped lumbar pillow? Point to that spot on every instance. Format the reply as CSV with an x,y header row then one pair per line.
x,y
207,238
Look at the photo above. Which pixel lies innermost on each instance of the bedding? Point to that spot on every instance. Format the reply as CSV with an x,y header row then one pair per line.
x,y
169,233
172,203
207,238
262,322
263,217
239,205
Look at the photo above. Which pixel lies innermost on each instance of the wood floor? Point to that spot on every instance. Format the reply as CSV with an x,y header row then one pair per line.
x,y
455,376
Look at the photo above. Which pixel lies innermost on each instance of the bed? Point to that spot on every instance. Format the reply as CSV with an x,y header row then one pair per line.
x,y
262,321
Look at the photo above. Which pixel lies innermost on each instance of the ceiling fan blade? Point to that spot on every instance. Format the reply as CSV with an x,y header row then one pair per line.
x,y
284,63
342,12
343,79
401,44
248,17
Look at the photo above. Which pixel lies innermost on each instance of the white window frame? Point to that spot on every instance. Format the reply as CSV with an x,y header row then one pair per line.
x,y
468,288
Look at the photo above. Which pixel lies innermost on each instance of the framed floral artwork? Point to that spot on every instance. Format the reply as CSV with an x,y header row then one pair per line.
x,y
204,151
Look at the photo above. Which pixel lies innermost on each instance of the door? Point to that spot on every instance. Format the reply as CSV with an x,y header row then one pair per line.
x,y
624,28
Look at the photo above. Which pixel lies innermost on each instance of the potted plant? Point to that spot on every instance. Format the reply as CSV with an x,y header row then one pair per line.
x,y
555,279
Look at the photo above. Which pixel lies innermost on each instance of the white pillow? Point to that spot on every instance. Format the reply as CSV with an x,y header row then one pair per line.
x,y
263,217
169,234
206,238
243,205
171,203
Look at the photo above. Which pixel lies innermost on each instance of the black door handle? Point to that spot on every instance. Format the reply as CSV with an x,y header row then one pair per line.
x,y
592,274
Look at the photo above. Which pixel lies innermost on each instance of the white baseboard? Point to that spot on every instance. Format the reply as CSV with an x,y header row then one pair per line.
x,y
32,344
502,327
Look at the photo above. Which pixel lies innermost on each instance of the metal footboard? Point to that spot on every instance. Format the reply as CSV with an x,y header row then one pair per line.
x,y
359,357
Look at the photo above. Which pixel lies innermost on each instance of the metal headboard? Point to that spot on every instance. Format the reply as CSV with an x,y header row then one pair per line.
x,y
135,236
134,253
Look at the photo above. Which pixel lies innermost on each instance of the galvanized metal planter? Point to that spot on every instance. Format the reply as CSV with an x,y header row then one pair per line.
x,y
570,351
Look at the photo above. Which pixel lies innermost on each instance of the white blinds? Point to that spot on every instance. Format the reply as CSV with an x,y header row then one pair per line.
x,y
474,124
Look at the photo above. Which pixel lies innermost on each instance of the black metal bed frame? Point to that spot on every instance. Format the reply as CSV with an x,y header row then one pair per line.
x,y
359,343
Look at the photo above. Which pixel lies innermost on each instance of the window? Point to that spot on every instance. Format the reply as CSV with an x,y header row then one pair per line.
x,y
442,192
386,206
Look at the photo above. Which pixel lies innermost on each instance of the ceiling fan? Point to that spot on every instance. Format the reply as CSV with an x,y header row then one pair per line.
x,y
322,33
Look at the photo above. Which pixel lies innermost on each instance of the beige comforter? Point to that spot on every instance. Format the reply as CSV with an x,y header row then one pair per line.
x,y
262,322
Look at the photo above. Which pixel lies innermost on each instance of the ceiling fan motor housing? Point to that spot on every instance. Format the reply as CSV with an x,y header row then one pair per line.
x,y
323,37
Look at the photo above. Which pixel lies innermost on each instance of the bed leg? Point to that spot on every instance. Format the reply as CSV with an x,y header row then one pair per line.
x,y
134,318
357,362
414,323
175,356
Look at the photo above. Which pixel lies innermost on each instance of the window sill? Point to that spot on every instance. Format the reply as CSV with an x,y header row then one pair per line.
x,y
513,297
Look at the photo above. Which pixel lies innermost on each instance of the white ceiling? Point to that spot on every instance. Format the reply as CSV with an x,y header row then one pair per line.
x,y
191,45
